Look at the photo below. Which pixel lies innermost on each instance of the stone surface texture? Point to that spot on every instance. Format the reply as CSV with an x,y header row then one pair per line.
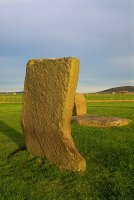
x,y
80,107
49,92
100,121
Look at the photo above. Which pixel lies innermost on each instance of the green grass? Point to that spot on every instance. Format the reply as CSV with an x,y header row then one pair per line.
x,y
110,97
10,98
17,98
108,153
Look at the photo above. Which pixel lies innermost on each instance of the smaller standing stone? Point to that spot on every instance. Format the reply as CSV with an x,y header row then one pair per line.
x,y
79,105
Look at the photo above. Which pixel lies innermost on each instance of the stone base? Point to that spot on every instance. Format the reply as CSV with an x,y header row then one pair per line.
x,y
100,121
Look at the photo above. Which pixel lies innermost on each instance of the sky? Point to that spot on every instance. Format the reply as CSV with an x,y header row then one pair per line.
x,y
98,32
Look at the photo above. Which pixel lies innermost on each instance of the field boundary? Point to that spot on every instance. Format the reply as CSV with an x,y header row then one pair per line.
x,y
111,100
10,102
88,101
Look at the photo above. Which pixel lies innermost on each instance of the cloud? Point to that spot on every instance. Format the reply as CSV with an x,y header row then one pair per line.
x,y
97,32
130,82
11,88
88,89
78,17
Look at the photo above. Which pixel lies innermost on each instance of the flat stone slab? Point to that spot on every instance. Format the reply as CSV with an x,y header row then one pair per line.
x,y
100,121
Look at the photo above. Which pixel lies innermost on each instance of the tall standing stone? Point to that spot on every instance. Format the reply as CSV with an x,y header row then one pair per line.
x,y
48,101
80,107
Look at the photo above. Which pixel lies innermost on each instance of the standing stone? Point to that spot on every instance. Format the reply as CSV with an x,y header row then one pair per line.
x,y
48,101
80,107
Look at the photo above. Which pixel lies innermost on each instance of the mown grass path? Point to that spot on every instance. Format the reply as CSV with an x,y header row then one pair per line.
x,y
108,152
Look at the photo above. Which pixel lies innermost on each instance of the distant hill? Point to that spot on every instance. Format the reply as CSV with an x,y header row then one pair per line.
x,y
122,89
20,92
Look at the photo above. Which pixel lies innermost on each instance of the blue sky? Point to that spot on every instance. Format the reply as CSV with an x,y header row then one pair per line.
x,y
99,32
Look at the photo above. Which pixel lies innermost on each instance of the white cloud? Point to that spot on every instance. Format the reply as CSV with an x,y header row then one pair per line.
x,y
11,88
127,82
98,32
90,89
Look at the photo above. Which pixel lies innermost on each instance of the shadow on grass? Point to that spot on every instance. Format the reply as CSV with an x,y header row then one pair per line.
x,y
12,134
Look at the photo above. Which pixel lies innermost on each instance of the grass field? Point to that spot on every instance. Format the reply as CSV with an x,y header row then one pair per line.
x,y
10,98
108,153
110,97
6,98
